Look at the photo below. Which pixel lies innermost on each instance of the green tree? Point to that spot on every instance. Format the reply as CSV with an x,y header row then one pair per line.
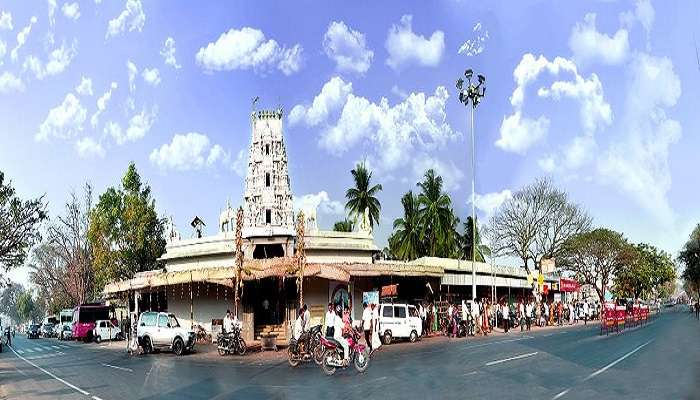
x,y
26,308
436,218
466,241
345,225
690,258
362,196
8,300
406,241
595,257
19,227
648,269
125,231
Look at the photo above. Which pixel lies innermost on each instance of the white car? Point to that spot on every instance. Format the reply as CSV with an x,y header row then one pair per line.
x,y
399,321
106,330
159,330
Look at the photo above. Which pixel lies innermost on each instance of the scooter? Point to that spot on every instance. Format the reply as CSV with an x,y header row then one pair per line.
x,y
333,355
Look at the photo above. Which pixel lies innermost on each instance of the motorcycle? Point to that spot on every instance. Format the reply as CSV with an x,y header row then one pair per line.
x,y
306,347
228,343
333,355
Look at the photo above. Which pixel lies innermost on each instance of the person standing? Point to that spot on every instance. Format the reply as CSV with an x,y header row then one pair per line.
x,y
376,342
367,325
521,314
329,321
585,312
423,316
228,323
307,317
528,314
505,312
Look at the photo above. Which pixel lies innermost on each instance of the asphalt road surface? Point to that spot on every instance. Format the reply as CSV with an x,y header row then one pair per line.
x,y
658,361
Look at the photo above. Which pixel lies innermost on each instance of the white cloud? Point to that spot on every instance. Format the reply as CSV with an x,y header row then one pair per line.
x,y
85,87
519,132
320,202
240,165
22,38
132,71
589,45
88,147
6,21
59,59
638,164
52,11
71,10
10,83
347,47
138,126
63,121
190,151
3,51
489,202
132,18
644,12
114,130
247,48
475,45
405,47
168,53
333,95
102,105
151,76
402,94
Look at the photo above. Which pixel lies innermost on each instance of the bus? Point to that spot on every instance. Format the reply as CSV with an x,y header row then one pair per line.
x,y
65,317
84,317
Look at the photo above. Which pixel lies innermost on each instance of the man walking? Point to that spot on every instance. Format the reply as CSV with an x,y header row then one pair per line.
x,y
585,312
367,325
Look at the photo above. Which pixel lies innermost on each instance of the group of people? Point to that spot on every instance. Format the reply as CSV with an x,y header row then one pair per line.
x,y
485,316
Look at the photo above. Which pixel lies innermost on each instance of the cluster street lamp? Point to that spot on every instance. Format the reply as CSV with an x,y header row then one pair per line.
x,y
471,94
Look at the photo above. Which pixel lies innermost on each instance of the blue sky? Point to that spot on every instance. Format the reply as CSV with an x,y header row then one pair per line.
x,y
601,96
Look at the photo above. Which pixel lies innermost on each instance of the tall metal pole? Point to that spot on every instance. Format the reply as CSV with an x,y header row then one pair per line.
x,y
473,209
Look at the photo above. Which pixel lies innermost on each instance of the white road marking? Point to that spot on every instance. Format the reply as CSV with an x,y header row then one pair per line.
x,y
612,364
20,351
471,373
488,364
96,398
30,350
55,347
63,381
37,349
120,368
605,368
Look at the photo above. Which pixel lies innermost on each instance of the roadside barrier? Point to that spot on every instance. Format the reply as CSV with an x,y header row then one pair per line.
x,y
617,318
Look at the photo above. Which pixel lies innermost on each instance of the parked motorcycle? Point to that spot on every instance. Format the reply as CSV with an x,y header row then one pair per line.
x,y
333,355
305,348
228,343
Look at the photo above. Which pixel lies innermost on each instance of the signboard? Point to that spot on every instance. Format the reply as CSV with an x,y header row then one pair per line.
x,y
569,285
530,279
370,297
547,266
540,279
390,290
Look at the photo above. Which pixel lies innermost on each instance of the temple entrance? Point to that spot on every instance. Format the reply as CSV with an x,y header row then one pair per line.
x,y
270,303
263,251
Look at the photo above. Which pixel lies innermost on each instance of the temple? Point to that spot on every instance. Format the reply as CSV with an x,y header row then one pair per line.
x,y
199,273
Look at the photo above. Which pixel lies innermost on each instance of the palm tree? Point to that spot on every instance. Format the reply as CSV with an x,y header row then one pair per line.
x,y
436,218
482,251
362,196
345,225
406,239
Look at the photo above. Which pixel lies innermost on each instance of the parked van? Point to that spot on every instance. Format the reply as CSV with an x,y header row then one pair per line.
x,y
399,321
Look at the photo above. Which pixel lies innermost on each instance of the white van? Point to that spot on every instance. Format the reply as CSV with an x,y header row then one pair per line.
x,y
399,321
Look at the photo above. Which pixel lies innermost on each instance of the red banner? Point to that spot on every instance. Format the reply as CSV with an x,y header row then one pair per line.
x,y
568,285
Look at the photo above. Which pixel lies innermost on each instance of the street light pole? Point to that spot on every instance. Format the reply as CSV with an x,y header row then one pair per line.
x,y
472,94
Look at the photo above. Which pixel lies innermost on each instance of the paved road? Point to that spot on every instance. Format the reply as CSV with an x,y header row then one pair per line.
x,y
659,360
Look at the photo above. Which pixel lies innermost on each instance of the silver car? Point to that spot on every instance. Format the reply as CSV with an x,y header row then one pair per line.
x,y
159,330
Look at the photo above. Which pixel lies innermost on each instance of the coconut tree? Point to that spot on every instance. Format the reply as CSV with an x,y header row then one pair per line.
x,y
407,243
466,242
362,196
436,218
